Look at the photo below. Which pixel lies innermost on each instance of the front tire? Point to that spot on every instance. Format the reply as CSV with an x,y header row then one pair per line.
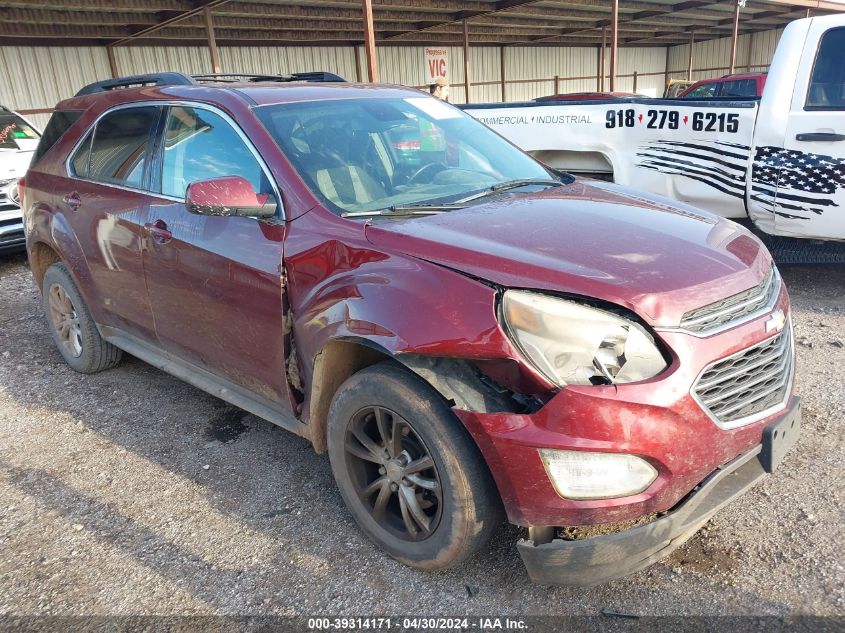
x,y
407,469
71,326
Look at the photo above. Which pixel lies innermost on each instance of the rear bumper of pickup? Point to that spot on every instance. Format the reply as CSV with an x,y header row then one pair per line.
x,y
596,560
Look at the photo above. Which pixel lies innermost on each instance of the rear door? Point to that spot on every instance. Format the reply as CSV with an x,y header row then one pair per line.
x,y
810,199
215,282
104,199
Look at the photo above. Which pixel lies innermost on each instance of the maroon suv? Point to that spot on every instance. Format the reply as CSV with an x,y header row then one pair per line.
x,y
463,330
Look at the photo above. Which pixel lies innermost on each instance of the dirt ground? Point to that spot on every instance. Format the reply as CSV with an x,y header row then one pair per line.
x,y
130,492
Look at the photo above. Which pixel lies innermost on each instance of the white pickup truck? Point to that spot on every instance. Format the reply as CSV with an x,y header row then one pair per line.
x,y
779,162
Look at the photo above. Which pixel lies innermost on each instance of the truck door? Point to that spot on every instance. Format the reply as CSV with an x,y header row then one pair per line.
x,y
810,198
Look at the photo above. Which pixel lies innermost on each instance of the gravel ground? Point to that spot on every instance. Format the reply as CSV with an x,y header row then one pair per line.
x,y
130,492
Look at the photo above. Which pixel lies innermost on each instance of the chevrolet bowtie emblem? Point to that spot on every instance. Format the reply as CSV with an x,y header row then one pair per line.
x,y
776,322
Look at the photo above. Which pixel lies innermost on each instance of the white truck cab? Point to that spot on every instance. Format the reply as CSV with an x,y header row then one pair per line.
x,y
779,162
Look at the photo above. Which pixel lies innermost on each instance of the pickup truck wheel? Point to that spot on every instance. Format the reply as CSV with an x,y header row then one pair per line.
x,y
408,471
71,326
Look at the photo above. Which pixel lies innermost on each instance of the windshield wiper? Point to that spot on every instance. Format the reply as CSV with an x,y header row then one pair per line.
x,y
401,210
430,209
511,184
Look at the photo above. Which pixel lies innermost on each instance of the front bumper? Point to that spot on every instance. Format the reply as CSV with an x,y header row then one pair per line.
x,y
600,559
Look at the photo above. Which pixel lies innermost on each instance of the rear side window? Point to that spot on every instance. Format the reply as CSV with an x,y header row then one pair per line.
x,y
56,128
827,83
120,149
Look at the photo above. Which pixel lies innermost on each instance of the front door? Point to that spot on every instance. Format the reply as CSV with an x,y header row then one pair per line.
x,y
810,200
215,283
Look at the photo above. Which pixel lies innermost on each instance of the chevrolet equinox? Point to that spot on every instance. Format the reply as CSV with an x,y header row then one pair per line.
x,y
467,333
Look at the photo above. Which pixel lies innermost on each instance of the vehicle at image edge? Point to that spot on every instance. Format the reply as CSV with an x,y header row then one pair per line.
x,y
463,330
744,85
18,139
778,163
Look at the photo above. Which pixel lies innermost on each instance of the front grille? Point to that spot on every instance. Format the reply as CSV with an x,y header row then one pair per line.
x,y
11,232
733,308
750,384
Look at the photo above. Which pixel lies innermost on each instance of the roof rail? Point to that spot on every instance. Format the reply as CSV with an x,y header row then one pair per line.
x,y
180,79
153,79
318,77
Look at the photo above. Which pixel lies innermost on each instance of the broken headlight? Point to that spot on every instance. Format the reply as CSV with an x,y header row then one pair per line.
x,y
575,344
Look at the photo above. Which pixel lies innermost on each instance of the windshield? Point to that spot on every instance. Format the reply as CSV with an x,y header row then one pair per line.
x,y
369,154
14,130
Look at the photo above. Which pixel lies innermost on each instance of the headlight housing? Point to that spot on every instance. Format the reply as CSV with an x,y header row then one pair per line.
x,y
575,344
585,475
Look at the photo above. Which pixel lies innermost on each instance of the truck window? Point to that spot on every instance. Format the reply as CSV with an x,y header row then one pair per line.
x,y
827,83
14,130
702,92
739,88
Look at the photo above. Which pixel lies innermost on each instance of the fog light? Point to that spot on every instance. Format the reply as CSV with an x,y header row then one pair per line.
x,y
583,475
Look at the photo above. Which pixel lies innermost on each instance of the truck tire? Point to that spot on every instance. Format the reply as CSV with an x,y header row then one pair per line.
x,y
407,469
71,326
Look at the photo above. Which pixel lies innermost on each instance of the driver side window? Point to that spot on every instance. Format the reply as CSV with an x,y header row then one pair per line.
x,y
199,145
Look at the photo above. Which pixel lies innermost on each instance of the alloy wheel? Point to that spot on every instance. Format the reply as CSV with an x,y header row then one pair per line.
x,y
65,320
393,473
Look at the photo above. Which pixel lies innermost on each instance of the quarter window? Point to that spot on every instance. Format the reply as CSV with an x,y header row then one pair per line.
x,y
199,145
827,83
120,147
56,127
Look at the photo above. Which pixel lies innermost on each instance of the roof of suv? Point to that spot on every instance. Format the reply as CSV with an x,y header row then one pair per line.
x,y
264,93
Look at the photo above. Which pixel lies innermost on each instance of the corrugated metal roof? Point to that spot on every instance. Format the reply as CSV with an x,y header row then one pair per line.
x,y
402,22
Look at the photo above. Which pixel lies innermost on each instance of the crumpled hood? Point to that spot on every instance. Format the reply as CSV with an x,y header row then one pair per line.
x,y
657,257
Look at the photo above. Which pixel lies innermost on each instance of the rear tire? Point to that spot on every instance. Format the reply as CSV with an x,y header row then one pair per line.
x,y
407,469
71,326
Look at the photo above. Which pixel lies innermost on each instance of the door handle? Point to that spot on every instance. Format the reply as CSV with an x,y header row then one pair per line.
x,y
158,231
72,200
820,136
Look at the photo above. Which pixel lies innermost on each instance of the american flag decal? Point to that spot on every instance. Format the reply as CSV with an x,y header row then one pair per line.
x,y
720,165
790,183
805,183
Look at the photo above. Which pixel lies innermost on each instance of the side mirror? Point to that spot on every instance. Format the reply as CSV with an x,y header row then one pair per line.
x,y
228,196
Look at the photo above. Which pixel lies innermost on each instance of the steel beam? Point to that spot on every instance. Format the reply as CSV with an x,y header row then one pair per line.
x,y
370,41
209,4
467,80
689,60
614,42
734,36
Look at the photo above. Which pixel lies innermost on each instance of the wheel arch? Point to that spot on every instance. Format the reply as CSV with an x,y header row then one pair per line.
x,y
457,380
41,257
